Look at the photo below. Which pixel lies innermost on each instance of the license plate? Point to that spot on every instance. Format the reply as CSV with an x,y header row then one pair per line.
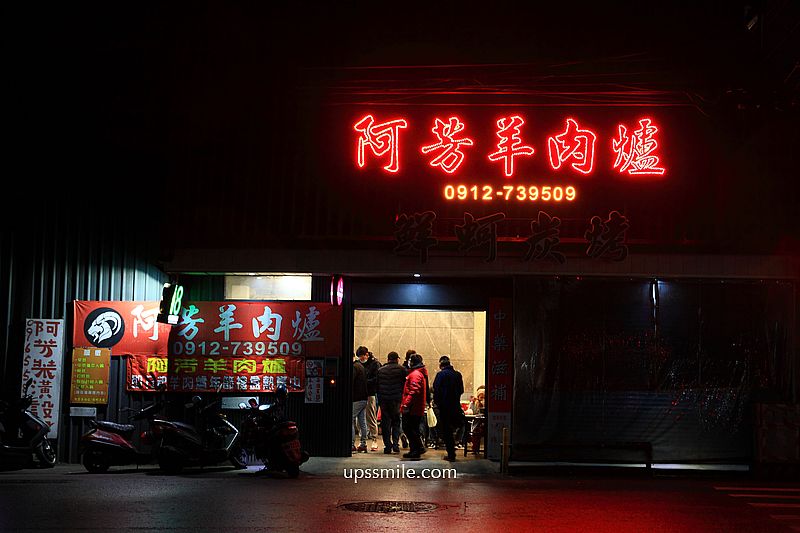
x,y
292,449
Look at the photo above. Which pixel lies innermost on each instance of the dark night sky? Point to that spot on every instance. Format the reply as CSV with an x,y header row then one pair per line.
x,y
110,100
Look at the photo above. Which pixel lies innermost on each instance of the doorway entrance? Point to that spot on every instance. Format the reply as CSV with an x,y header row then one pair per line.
x,y
461,335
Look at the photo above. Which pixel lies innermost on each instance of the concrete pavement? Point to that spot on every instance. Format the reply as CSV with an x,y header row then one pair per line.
x,y
222,499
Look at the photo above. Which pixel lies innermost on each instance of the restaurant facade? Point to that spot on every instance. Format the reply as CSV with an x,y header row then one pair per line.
x,y
608,270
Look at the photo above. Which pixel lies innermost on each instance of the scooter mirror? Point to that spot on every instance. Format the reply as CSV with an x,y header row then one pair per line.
x,y
242,405
196,400
188,405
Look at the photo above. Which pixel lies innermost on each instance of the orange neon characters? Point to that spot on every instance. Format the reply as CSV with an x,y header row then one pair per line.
x,y
636,153
381,138
573,144
450,155
510,144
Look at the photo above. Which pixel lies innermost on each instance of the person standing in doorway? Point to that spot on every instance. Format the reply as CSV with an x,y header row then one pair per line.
x,y
409,353
371,366
359,405
407,366
447,390
413,405
391,379
477,406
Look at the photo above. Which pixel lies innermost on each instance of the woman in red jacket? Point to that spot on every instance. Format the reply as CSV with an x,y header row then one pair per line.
x,y
415,398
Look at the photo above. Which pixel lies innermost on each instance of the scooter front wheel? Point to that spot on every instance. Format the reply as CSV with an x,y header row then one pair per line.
x,y
95,461
45,454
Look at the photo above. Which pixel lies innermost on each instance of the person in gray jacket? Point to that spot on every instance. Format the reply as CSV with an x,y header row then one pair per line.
x,y
359,405
391,379
371,366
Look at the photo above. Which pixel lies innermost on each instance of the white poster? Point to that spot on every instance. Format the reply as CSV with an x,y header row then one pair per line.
x,y
494,433
313,390
43,361
314,368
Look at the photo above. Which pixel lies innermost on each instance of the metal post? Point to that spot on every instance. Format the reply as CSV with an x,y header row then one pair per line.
x,y
504,452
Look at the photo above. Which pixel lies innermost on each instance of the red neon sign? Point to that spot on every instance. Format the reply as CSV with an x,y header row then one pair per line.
x,y
510,145
575,145
449,156
636,152
381,138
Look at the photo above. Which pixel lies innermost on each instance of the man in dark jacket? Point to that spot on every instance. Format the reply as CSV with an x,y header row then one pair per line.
x,y
371,366
447,390
391,379
359,405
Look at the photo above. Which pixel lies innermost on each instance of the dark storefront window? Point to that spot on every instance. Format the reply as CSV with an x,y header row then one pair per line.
x,y
678,364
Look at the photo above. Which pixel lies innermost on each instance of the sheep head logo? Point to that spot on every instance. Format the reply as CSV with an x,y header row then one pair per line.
x,y
104,327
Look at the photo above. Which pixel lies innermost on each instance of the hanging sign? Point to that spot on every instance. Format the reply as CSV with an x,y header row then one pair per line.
x,y
90,370
43,361
214,329
169,309
337,290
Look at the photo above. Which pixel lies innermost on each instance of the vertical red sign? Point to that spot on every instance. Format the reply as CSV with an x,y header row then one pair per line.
x,y
500,379
501,355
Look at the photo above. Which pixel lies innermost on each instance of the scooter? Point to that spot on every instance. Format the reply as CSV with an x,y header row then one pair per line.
x,y
214,440
108,443
23,435
272,438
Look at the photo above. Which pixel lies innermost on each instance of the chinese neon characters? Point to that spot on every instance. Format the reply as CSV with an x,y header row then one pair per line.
x,y
636,153
381,138
450,155
510,145
575,145
570,149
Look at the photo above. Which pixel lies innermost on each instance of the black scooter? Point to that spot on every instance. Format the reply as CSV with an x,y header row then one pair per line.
x,y
272,438
23,435
212,441
108,443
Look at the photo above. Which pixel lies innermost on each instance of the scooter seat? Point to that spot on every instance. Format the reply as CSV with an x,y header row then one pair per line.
x,y
115,428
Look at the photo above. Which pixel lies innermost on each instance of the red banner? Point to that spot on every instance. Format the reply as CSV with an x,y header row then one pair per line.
x,y
213,329
271,329
124,327
198,374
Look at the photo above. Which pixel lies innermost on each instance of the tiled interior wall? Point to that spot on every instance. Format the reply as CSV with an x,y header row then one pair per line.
x,y
458,334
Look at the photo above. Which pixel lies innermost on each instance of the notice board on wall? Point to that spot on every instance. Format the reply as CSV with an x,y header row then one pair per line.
x,y
90,370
